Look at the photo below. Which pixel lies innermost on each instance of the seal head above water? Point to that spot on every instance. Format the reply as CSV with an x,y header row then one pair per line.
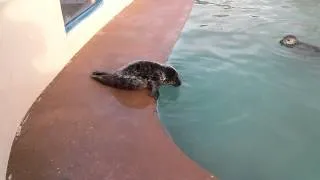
x,y
292,41
140,75
289,41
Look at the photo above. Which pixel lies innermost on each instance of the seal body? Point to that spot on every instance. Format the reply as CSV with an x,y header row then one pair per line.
x,y
139,75
292,41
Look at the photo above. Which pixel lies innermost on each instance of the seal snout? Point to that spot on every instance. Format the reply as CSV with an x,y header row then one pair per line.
x,y
178,83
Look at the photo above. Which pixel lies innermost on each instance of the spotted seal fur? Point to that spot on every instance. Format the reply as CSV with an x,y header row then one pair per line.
x,y
138,75
292,41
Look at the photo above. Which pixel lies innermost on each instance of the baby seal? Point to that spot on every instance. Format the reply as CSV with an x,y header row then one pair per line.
x,y
140,75
292,41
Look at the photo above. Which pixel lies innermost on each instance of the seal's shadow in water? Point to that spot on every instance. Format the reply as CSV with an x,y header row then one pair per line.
x,y
133,99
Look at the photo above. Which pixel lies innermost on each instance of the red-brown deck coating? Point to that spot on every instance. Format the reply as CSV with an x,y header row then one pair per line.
x,y
81,130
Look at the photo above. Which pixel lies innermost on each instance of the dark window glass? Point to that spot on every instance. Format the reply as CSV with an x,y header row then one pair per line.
x,y
73,8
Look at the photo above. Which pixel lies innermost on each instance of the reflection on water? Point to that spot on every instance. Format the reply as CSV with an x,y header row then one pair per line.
x,y
132,99
249,109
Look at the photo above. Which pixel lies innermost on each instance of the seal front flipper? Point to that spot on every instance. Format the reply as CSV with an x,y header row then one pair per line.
x,y
153,86
155,94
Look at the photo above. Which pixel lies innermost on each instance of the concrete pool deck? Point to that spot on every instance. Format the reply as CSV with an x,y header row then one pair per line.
x,y
80,130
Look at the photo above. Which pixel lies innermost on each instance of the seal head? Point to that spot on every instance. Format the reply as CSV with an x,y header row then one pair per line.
x,y
171,76
289,41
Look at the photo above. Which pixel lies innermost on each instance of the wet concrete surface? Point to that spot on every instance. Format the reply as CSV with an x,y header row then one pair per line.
x,y
81,130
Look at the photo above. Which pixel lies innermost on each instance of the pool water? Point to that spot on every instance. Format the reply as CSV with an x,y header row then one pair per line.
x,y
248,109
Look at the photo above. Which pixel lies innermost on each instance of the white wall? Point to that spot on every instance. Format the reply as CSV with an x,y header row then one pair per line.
x,y
34,47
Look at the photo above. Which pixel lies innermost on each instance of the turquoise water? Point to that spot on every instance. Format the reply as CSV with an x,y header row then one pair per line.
x,y
248,108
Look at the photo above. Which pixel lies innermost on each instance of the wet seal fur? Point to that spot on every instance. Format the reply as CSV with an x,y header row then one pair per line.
x,y
292,41
139,75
